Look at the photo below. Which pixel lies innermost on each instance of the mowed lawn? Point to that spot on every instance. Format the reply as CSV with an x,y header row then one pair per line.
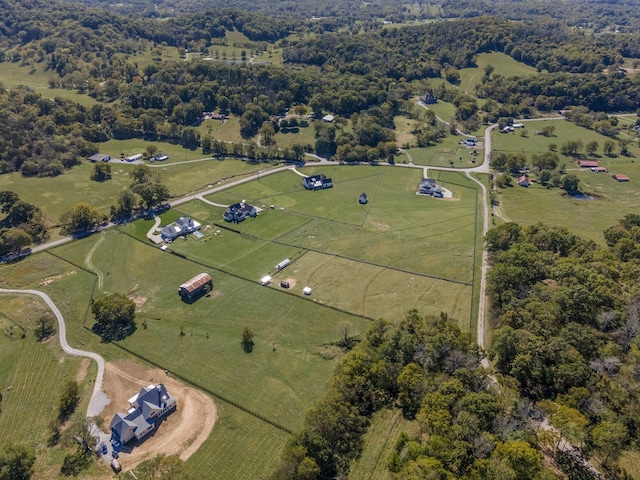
x,y
447,153
610,200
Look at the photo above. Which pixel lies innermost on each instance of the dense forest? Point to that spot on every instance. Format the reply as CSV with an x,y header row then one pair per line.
x,y
598,14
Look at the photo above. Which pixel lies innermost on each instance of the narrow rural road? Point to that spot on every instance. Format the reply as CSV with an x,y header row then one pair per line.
x,y
98,398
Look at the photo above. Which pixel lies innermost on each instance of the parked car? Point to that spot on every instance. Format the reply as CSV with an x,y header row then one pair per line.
x,y
115,465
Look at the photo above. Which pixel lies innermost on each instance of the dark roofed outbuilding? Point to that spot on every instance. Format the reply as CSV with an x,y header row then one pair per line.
x,y
198,285
99,157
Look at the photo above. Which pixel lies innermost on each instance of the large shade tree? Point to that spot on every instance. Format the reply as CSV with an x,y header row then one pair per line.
x,y
115,316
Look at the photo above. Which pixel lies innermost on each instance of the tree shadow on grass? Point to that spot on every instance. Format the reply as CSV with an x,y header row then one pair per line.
x,y
113,333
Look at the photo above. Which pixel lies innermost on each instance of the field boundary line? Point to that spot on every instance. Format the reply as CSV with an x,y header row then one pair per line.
x,y
93,288
367,262
204,389
256,282
366,214
338,255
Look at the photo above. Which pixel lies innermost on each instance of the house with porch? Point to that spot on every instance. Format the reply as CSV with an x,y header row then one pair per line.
x,y
148,406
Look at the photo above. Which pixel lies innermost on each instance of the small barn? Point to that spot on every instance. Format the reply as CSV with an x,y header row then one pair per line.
x,y
133,158
587,163
524,181
620,178
317,182
283,264
328,118
99,157
363,199
284,284
197,286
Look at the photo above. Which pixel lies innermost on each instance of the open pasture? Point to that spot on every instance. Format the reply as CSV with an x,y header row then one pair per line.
x,y
123,148
533,143
444,153
304,136
56,195
401,229
502,64
609,200
240,447
14,74
285,190
32,377
284,374
227,131
374,290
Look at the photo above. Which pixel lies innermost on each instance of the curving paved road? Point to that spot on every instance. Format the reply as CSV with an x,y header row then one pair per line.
x,y
98,398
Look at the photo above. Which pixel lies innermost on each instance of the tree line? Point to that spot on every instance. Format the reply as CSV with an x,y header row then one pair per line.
x,y
426,369
567,319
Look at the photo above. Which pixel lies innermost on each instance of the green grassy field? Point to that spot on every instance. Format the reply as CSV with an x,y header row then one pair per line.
x,y
379,442
588,218
13,74
356,258
306,136
448,153
228,131
502,63
32,377
239,447
312,228
118,148
56,195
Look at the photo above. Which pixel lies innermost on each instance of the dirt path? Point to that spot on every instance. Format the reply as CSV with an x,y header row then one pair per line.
x,y
182,433
88,259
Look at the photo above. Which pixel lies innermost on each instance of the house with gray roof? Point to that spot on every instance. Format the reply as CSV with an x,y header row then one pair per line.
x,y
239,212
428,186
317,182
182,226
148,406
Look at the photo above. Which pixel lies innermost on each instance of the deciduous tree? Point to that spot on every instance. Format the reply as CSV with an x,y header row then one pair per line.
x,y
115,316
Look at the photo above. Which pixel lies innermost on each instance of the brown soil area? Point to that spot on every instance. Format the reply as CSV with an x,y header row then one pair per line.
x,y
82,372
138,300
181,433
292,281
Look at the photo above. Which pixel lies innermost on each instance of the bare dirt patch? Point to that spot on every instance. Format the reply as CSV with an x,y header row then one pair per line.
x,y
379,226
213,294
138,300
82,372
181,433
292,281
50,280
